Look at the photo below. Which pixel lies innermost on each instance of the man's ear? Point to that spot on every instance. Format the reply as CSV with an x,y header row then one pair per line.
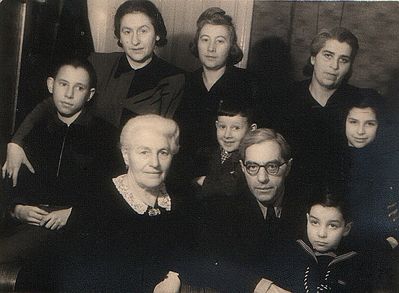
x,y
312,60
50,84
253,127
348,228
242,166
289,165
91,95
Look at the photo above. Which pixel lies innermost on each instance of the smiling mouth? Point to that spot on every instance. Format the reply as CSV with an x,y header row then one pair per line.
x,y
360,139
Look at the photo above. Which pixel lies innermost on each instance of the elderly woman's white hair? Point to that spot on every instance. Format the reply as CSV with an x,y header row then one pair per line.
x,y
164,126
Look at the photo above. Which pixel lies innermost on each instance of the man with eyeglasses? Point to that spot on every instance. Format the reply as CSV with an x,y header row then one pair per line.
x,y
239,233
271,210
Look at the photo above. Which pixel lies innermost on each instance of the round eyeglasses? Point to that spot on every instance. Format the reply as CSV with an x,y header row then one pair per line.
x,y
272,168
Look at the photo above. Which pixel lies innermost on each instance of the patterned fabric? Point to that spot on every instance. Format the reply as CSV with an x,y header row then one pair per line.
x,y
163,199
224,155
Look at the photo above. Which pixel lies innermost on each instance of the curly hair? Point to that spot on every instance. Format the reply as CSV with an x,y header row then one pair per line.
x,y
217,16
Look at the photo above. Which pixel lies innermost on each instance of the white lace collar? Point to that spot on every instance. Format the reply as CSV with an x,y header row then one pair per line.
x,y
163,199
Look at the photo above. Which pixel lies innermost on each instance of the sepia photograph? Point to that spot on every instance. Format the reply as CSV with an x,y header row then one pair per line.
x,y
199,146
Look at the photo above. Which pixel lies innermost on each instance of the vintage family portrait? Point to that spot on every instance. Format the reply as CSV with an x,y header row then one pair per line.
x,y
199,146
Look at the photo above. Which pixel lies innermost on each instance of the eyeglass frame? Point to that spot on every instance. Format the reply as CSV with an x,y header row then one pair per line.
x,y
265,167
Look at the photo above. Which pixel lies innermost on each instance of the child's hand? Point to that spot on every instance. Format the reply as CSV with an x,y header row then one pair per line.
x,y
56,220
15,158
29,214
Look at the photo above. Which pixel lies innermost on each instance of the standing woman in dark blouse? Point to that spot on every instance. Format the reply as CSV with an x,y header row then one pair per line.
x,y
130,83
215,44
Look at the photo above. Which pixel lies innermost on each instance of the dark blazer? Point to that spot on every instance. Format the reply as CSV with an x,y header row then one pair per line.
x,y
234,239
224,179
159,91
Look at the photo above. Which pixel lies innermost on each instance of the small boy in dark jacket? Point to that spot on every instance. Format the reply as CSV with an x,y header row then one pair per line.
x,y
321,262
220,174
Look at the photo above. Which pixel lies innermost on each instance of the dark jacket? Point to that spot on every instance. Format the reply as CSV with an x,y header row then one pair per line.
x,y
156,88
133,252
234,239
222,180
297,268
70,162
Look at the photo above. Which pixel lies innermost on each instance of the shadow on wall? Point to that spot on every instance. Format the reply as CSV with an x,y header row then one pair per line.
x,y
178,53
270,58
391,92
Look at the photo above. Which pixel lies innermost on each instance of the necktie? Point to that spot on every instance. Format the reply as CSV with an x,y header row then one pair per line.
x,y
270,214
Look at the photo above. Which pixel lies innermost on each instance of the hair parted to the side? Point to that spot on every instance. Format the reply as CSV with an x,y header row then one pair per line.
x,y
367,98
149,9
341,34
217,16
327,197
261,135
76,62
163,126
232,107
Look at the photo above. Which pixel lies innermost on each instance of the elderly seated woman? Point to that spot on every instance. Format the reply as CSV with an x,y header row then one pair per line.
x,y
139,225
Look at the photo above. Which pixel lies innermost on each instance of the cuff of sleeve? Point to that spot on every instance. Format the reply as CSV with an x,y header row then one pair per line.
x,y
393,242
263,286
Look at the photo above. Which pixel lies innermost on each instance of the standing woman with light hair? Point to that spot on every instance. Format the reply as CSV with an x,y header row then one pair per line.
x,y
215,45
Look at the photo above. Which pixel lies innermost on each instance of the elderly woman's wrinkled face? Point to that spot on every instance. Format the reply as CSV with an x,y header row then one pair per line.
x,y
148,158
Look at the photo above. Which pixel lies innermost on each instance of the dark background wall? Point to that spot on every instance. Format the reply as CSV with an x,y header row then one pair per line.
x,y
282,32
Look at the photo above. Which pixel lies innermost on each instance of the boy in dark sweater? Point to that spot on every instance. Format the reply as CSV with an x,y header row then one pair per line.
x,y
71,152
220,173
321,262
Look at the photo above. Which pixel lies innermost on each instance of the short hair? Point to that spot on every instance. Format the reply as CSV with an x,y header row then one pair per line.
x,y
334,199
342,35
366,98
261,135
149,9
233,107
77,62
162,126
217,16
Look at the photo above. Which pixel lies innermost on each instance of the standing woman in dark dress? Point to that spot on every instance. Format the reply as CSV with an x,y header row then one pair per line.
x,y
130,83
215,44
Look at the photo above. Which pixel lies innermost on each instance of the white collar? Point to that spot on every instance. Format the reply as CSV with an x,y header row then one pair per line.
x,y
163,199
